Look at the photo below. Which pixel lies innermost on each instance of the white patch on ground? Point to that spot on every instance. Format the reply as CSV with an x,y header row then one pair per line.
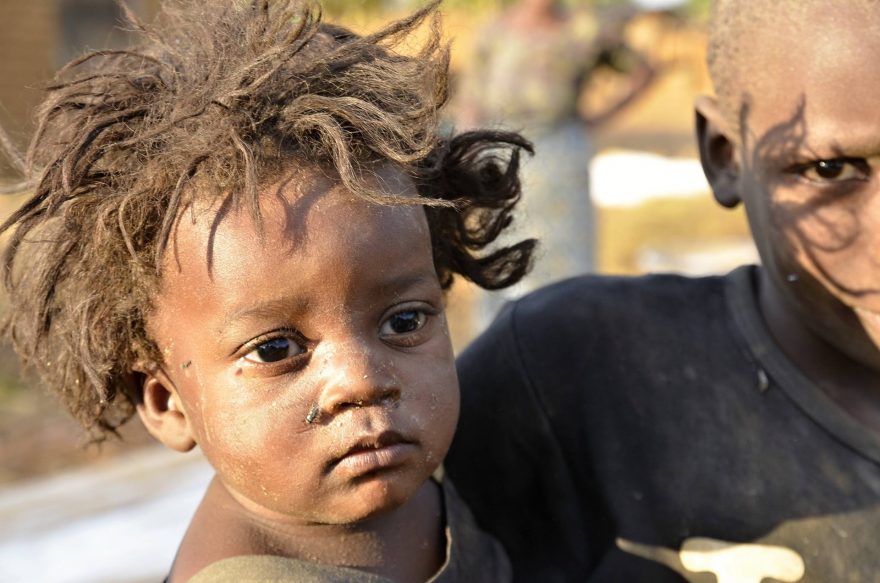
x,y
629,178
120,522
658,4
715,258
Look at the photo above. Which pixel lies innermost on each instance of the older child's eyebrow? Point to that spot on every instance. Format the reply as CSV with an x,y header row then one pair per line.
x,y
834,143
850,150
816,147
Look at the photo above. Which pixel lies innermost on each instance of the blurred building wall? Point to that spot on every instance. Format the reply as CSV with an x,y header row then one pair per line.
x,y
36,38
27,47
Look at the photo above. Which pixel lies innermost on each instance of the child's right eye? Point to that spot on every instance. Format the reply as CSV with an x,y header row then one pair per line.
x,y
274,350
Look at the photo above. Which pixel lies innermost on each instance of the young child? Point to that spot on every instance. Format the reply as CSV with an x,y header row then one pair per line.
x,y
666,429
242,230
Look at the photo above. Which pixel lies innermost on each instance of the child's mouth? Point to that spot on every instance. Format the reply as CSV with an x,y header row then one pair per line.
x,y
371,453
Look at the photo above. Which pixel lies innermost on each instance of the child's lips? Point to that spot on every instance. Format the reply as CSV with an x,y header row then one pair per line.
x,y
374,452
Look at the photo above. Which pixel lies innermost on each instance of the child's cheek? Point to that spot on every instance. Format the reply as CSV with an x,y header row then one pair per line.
x,y
827,241
438,408
252,432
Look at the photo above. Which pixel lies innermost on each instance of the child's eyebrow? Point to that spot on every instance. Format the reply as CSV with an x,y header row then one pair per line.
x,y
284,306
406,282
294,306
831,141
815,147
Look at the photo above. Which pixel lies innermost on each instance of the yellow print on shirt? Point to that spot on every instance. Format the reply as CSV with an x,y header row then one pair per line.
x,y
729,562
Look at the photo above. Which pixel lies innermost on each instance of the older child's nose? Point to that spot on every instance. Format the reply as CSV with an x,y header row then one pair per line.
x,y
357,377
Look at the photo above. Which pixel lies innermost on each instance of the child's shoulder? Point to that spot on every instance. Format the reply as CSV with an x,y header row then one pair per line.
x,y
472,555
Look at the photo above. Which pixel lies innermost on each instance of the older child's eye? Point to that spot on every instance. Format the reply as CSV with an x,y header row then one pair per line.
x,y
274,350
403,323
835,170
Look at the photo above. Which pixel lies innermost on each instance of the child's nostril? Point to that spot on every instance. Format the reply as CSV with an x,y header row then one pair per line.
x,y
390,398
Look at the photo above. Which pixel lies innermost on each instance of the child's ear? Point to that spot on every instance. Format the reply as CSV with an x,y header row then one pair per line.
x,y
718,153
160,409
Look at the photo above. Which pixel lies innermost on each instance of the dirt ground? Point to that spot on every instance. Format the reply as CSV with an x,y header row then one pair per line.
x,y
37,438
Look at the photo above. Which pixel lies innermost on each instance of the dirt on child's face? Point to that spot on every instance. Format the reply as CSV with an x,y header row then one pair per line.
x,y
811,171
314,365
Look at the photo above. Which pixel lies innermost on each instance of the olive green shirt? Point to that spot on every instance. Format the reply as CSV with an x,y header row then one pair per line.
x,y
472,556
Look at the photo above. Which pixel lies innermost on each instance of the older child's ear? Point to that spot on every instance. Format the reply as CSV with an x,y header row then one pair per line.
x,y
718,153
161,412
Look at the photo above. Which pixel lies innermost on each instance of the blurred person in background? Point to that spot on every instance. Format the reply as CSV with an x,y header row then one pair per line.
x,y
529,70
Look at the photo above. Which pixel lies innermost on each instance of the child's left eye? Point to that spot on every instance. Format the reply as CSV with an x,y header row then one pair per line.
x,y
403,322
835,170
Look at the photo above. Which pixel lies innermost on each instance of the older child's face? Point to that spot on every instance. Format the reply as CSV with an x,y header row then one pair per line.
x,y
314,366
810,172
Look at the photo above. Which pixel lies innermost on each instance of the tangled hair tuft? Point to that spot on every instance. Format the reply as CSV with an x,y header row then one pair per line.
x,y
223,96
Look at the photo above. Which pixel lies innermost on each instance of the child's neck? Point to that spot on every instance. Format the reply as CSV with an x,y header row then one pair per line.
x,y
853,385
405,545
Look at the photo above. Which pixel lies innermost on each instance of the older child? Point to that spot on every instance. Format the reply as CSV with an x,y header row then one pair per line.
x,y
242,230
667,429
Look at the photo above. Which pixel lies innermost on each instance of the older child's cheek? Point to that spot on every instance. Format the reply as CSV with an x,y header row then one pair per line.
x,y
819,226
829,240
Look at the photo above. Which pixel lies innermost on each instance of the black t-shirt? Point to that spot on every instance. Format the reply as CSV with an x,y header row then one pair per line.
x,y
649,429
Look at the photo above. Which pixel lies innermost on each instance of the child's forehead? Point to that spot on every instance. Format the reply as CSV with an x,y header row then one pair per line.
x,y
752,41
298,209
322,244
810,67
295,190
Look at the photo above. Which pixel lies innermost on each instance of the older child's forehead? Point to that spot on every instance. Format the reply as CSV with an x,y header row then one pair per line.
x,y
764,49
817,73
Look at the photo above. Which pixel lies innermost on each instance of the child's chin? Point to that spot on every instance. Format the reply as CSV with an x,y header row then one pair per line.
x,y
374,497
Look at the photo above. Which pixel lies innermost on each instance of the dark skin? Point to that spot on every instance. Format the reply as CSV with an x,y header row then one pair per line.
x,y
804,158
313,367
221,528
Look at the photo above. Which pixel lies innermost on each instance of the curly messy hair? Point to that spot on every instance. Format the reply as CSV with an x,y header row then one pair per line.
x,y
218,98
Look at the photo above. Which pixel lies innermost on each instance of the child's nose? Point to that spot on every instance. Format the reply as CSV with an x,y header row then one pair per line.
x,y
357,377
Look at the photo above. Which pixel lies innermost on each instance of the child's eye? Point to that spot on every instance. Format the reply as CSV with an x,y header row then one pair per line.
x,y
835,170
404,322
274,350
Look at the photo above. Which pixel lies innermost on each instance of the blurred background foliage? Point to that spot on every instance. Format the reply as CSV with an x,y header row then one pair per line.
x,y
346,7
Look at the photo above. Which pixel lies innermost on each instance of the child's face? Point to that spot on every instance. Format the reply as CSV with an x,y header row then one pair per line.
x,y
809,172
314,366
